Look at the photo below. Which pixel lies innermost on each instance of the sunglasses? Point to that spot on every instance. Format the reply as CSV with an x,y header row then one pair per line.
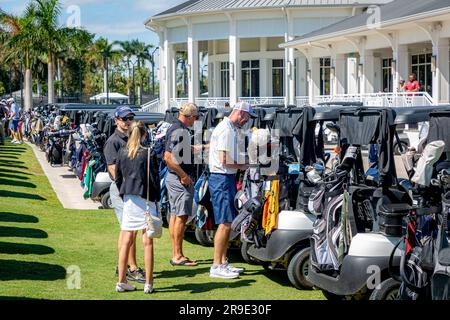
x,y
129,118
196,117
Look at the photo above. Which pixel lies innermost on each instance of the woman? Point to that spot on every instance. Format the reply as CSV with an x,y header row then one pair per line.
x,y
135,185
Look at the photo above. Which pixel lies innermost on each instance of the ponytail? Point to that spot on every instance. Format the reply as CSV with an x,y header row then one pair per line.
x,y
137,131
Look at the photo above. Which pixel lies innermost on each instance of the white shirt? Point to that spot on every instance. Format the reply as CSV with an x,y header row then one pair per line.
x,y
223,138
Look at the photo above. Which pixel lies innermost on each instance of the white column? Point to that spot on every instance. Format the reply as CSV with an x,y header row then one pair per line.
x,y
401,57
368,72
173,70
289,62
314,81
235,73
339,64
441,75
167,67
352,75
193,81
301,75
265,67
161,69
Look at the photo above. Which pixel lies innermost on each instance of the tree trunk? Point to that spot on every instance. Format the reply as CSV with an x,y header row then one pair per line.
x,y
28,90
38,88
51,84
58,66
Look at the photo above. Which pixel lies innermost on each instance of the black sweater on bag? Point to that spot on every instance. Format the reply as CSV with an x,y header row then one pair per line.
x,y
132,177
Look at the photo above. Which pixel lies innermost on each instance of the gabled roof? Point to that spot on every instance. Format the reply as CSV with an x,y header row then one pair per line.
x,y
388,13
198,6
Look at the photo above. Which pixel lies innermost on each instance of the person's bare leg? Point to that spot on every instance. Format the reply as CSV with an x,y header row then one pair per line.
x,y
132,254
221,242
148,258
178,235
127,239
172,232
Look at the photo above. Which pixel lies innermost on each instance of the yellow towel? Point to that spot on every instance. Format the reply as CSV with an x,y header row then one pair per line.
x,y
270,220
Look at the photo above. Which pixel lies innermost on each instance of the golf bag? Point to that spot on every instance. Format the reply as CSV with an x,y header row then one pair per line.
x,y
440,281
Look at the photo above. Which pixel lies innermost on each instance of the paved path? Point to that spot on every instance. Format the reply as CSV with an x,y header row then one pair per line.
x,y
65,183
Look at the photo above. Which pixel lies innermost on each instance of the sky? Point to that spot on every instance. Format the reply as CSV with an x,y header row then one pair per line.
x,y
113,19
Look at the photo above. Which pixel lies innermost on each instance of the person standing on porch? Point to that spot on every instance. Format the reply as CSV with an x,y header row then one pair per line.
x,y
412,85
223,166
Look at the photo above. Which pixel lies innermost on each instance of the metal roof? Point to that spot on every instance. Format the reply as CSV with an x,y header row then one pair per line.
x,y
396,10
199,6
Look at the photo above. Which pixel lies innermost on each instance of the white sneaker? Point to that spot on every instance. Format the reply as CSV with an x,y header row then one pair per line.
x,y
222,272
234,269
148,288
122,287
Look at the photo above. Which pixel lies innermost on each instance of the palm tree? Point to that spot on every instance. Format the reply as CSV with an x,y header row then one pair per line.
x,y
50,34
142,52
20,42
127,52
100,54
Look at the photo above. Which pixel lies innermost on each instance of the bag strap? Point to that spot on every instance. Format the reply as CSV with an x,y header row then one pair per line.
x,y
148,174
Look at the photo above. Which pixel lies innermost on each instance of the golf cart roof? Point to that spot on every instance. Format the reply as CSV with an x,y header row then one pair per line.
x,y
409,115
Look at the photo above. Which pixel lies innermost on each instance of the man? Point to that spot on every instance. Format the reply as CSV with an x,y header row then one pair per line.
x,y
3,116
180,187
412,85
123,118
15,118
224,162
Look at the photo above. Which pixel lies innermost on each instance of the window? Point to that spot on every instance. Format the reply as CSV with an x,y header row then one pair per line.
x,y
250,78
278,78
387,75
225,79
325,76
421,66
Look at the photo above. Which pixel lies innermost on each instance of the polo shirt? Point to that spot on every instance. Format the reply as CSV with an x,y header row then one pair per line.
x,y
179,144
114,143
410,86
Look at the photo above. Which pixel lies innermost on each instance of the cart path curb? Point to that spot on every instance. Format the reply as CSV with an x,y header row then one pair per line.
x,y
65,184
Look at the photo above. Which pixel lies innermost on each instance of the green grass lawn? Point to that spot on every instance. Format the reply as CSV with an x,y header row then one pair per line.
x,y
41,243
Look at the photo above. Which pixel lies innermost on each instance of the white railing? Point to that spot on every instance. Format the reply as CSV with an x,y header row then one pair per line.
x,y
212,102
153,106
389,99
279,101
301,101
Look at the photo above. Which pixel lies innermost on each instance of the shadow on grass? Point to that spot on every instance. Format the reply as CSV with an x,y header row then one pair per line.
x,y
22,233
8,156
205,287
16,183
12,176
21,195
9,165
16,217
24,270
18,298
15,172
21,248
182,272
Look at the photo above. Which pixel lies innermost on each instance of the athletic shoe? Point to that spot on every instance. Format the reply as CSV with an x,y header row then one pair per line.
x,y
136,275
234,269
148,288
222,272
122,287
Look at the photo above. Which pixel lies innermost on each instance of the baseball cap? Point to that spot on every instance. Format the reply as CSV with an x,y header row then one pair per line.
x,y
123,111
245,106
189,109
9,100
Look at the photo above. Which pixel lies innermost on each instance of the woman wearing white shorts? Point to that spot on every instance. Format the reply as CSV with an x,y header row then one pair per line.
x,y
135,184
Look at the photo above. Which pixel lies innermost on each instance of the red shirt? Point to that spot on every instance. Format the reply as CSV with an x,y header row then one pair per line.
x,y
412,86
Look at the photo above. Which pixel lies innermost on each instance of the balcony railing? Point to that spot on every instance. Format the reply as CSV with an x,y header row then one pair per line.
x,y
389,99
153,106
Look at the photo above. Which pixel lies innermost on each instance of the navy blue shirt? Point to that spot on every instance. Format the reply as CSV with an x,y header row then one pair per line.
x,y
179,143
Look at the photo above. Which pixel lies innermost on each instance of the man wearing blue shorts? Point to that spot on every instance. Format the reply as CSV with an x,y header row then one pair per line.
x,y
224,161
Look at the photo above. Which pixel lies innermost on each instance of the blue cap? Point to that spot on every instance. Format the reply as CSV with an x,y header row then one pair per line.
x,y
123,111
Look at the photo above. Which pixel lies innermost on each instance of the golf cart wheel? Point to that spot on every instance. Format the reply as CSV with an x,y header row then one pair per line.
x,y
106,201
297,270
204,237
388,290
397,148
244,253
